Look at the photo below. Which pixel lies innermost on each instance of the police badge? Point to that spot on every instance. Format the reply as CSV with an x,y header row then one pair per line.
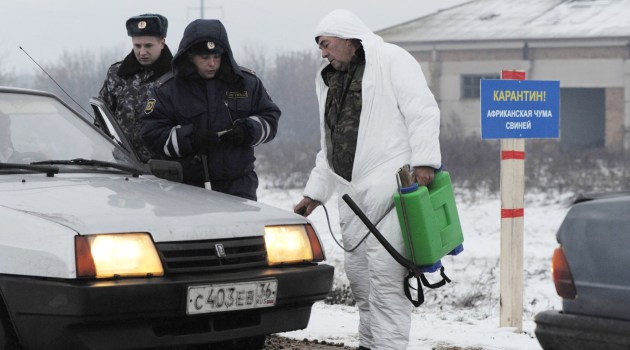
x,y
149,107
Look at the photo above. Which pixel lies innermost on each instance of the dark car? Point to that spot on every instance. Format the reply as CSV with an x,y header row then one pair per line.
x,y
96,252
591,272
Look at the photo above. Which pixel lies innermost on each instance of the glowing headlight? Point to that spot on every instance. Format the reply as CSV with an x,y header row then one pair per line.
x,y
292,244
117,255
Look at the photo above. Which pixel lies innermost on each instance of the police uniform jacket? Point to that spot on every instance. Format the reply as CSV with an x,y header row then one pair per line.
x,y
183,102
125,91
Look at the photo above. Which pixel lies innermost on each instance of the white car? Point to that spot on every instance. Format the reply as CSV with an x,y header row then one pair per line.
x,y
97,253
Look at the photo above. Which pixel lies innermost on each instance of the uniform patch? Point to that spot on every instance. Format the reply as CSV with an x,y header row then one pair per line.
x,y
149,107
236,94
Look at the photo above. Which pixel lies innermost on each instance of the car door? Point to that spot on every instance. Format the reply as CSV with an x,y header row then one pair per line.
x,y
105,121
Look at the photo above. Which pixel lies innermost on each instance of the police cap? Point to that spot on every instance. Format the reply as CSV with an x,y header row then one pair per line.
x,y
148,24
206,47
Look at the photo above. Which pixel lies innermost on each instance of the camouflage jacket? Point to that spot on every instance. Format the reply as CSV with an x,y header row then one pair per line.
x,y
343,109
125,92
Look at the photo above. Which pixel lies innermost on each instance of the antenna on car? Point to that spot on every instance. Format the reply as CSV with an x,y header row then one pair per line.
x,y
54,81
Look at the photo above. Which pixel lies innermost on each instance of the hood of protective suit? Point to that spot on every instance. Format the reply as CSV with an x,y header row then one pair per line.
x,y
345,25
204,30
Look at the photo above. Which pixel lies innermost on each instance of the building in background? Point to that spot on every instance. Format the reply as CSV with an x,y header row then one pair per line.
x,y
585,44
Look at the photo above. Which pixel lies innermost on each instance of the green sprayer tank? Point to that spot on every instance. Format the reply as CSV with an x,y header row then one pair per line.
x,y
429,221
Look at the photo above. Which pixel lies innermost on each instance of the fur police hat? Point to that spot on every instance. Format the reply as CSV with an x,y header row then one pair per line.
x,y
148,24
206,47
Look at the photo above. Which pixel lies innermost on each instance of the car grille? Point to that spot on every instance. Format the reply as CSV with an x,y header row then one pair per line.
x,y
201,256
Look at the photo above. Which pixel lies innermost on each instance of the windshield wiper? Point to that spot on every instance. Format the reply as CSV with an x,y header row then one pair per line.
x,y
90,162
49,170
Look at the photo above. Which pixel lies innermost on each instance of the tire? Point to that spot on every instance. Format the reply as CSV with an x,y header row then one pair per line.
x,y
3,336
8,338
252,343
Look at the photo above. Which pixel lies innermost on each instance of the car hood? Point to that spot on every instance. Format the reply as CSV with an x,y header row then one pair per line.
x,y
95,203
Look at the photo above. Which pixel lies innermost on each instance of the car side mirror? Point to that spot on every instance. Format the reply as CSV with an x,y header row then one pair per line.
x,y
166,169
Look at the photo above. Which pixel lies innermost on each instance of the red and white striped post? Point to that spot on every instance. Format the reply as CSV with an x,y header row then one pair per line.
x,y
512,225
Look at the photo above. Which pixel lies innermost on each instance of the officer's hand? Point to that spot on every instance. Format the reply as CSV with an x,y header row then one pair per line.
x,y
238,135
204,138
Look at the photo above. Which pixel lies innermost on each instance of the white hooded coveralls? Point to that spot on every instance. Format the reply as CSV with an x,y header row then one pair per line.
x,y
399,124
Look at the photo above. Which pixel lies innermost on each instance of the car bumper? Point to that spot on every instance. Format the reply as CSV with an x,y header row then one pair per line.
x,y
150,313
556,330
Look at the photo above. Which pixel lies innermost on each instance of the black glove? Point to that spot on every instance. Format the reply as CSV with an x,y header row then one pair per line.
x,y
204,138
238,135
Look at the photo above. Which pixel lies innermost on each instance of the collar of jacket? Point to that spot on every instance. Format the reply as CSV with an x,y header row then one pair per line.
x,y
131,66
357,59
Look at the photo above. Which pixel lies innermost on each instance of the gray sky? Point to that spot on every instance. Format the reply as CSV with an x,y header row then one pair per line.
x,y
45,28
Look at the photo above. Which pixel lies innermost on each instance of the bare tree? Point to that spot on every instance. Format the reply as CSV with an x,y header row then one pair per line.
x,y
80,74
288,159
7,77
254,57
292,84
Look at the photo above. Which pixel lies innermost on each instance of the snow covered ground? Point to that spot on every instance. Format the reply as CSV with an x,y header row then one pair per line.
x,y
464,313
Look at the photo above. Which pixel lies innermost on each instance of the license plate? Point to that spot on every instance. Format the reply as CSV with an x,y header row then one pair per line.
x,y
231,296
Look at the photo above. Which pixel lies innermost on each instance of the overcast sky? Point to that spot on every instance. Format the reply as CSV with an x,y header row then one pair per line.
x,y
45,28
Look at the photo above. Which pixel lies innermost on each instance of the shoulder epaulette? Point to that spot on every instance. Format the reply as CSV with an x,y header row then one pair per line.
x,y
164,78
247,70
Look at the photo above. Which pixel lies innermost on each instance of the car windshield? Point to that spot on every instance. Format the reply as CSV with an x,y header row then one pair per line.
x,y
36,128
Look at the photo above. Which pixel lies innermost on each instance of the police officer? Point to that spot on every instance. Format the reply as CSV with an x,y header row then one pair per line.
x,y
210,113
128,82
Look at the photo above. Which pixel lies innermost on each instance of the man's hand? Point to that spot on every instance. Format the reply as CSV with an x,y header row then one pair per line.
x,y
306,206
204,138
238,135
423,175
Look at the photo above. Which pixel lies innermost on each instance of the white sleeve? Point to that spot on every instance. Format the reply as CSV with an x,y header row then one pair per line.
x,y
320,185
419,108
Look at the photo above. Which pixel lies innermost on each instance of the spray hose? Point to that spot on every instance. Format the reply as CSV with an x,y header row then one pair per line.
x,y
365,236
412,268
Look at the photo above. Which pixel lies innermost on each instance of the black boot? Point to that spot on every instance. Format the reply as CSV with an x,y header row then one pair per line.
x,y
363,348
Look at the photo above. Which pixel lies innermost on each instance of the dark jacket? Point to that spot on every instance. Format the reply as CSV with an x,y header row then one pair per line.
x,y
183,102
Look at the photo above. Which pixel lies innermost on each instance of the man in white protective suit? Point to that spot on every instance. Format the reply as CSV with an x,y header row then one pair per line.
x,y
377,114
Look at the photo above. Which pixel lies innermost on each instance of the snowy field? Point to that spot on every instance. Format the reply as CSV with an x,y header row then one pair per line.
x,y
464,313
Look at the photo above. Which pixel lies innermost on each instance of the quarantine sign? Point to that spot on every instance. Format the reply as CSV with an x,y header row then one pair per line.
x,y
520,109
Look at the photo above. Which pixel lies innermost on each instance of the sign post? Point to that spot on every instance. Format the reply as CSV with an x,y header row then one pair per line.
x,y
513,109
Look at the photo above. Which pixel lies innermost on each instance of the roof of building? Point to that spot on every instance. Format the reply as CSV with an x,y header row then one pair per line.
x,y
517,20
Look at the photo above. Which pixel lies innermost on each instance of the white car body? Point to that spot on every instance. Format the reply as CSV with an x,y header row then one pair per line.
x,y
51,211
97,252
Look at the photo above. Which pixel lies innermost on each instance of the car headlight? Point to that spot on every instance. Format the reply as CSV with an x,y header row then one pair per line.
x,y
289,244
117,255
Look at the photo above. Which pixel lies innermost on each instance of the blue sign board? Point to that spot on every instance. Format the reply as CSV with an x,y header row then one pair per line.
x,y
520,109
